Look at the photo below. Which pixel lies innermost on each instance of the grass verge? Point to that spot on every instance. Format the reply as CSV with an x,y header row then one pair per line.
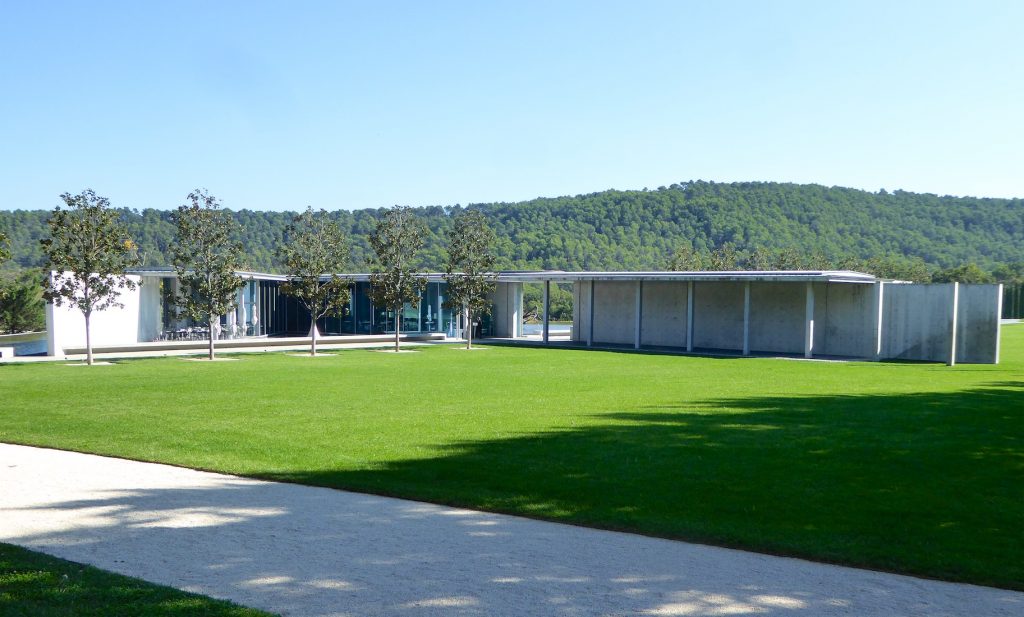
x,y
37,585
914,468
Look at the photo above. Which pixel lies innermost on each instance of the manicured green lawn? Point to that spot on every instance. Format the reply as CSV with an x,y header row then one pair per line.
x,y
37,585
916,468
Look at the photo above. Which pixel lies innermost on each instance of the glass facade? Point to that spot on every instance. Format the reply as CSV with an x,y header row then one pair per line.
x,y
264,310
429,316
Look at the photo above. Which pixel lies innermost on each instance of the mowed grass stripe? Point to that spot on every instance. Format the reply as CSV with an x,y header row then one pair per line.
x,y
916,468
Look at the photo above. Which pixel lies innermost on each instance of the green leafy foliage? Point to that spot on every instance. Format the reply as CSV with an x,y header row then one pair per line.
x,y
469,270
206,258
5,248
315,246
396,241
560,302
727,257
22,308
641,230
685,259
967,273
88,251
21,296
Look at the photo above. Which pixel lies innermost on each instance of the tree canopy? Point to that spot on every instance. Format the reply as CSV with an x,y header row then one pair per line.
x,y
641,230
469,270
314,247
396,241
206,259
88,251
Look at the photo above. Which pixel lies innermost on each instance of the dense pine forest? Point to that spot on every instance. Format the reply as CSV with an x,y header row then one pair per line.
x,y
630,230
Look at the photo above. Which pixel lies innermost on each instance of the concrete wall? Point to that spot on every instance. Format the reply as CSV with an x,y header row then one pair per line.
x,y
917,322
663,312
916,318
977,321
777,313
506,311
614,312
581,310
65,326
150,309
846,325
718,316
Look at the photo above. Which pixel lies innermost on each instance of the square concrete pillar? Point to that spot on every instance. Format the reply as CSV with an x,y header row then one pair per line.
x,y
809,321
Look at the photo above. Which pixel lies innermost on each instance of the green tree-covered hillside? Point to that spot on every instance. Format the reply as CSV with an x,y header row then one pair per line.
x,y
619,230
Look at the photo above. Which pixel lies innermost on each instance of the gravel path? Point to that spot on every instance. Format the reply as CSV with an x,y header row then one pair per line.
x,y
298,550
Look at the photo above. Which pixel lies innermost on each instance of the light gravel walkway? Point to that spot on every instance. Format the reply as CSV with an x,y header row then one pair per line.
x,y
298,550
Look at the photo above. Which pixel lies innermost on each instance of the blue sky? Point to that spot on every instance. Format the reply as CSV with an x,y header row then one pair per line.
x,y
351,105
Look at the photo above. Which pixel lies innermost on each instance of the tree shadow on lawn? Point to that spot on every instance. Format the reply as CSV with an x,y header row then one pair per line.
x,y
35,584
929,483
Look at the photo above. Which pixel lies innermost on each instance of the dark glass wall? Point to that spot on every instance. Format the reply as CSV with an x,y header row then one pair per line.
x,y
1013,301
283,315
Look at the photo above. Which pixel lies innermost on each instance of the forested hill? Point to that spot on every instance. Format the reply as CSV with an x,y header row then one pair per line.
x,y
617,230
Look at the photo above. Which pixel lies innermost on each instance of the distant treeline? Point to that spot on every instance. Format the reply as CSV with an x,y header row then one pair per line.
x,y
758,223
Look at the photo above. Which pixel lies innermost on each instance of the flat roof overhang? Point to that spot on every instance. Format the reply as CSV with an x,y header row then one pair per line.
x,y
169,273
740,276
560,276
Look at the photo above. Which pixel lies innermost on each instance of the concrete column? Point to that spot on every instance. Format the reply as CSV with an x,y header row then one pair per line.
x,y
746,318
547,308
639,314
999,318
53,344
879,303
952,326
590,322
689,316
517,303
809,322
355,314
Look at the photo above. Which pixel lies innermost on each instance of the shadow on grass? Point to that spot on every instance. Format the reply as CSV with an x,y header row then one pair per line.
x,y
930,484
923,483
32,584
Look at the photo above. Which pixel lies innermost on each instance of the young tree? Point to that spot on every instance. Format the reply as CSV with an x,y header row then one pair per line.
x,y
724,258
685,259
315,246
469,271
788,258
900,268
206,260
759,258
967,273
1012,273
396,241
88,251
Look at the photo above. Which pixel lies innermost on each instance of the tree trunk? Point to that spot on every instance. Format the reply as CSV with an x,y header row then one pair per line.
x,y
398,327
469,331
88,340
210,332
312,344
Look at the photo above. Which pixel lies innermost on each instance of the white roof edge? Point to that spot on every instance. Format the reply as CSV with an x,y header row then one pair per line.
x,y
834,276
779,276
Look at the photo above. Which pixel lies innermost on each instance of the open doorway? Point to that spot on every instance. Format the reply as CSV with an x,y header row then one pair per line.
x,y
560,311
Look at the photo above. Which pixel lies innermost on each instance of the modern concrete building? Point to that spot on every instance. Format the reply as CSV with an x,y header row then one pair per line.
x,y
831,314
149,315
834,314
